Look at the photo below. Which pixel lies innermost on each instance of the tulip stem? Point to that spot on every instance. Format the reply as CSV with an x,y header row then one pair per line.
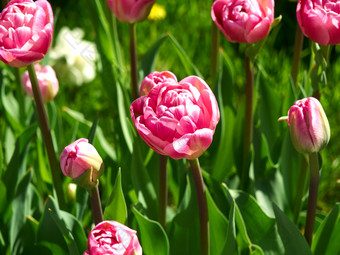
x,y
248,124
202,205
97,212
215,42
46,132
297,54
163,189
300,189
313,195
133,61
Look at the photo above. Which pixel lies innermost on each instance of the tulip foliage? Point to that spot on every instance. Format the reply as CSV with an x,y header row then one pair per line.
x,y
107,141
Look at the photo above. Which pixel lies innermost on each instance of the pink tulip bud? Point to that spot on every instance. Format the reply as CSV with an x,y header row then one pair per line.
x,y
47,79
81,159
319,20
131,10
111,237
154,79
243,21
177,119
26,30
309,127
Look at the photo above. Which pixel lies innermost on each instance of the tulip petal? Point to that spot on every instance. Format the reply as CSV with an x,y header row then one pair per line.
x,y
190,146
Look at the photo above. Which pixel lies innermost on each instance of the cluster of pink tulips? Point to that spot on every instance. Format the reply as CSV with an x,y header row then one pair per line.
x,y
175,118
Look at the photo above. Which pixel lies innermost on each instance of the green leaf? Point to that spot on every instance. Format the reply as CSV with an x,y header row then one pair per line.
x,y
116,207
21,207
3,197
152,236
141,182
148,61
124,117
11,107
17,165
189,67
326,240
47,223
184,229
223,161
218,226
28,234
230,245
93,129
293,241
72,247
81,202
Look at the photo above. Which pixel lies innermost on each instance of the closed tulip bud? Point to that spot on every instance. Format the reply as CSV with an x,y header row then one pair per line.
x,y
319,20
243,21
81,161
26,30
309,127
131,10
48,82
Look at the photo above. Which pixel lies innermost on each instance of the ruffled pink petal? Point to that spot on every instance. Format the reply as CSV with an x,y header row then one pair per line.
x,y
259,32
190,146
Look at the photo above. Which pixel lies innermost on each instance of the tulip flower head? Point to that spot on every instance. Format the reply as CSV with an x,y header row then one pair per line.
x,y
48,82
81,161
243,21
26,30
319,20
111,237
154,79
131,11
308,124
177,119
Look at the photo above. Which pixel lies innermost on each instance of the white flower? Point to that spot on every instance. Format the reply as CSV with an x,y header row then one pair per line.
x,y
73,58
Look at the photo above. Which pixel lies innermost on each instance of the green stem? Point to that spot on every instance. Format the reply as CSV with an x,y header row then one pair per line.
x,y
248,124
297,54
46,132
163,189
313,195
215,42
96,206
133,61
300,189
202,206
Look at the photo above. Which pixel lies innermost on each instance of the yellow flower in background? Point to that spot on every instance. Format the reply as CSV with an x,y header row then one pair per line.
x,y
157,12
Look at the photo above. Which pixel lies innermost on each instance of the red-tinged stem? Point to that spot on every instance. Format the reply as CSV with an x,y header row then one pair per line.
x,y
46,132
313,196
97,212
297,54
202,206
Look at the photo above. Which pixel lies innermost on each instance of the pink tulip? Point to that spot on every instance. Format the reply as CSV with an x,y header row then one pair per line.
x,y
177,119
154,79
243,21
131,10
80,157
26,30
319,20
47,79
309,127
111,237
